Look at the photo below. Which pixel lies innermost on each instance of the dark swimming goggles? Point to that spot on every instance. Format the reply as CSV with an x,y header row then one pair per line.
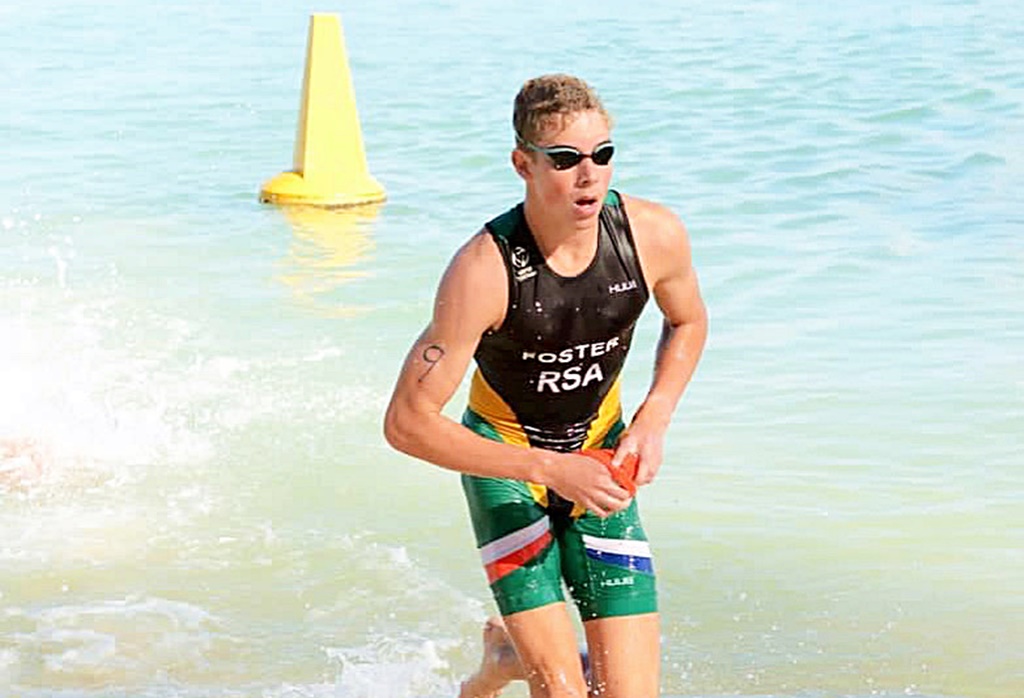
x,y
565,157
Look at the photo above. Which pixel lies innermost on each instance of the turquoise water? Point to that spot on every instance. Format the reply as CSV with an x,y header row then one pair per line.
x,y
840,509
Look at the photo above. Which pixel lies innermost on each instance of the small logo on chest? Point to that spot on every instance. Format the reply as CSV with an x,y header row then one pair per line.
x,y
521,262
622,286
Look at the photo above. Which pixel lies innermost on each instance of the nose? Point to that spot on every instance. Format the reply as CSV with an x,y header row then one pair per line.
x,y
585,171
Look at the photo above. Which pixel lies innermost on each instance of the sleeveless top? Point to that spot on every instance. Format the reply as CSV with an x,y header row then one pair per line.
x,y
549,376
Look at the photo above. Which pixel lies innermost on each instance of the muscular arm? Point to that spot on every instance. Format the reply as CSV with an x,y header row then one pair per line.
x,y
665,254
470,299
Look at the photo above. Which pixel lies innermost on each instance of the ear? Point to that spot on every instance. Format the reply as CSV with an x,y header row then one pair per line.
x,y
521,163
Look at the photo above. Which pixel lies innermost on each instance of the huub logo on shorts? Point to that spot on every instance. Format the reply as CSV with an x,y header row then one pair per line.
x,y
618,582
521,264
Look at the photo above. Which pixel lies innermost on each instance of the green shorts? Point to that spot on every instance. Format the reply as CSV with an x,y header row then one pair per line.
x,y
529,544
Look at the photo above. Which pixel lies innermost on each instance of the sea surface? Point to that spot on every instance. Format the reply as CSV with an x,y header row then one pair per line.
x,y
215,512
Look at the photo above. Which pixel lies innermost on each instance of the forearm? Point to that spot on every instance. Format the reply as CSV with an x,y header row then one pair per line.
x,y
437,439
679,350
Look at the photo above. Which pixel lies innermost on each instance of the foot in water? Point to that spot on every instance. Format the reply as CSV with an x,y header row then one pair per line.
x,y
499,666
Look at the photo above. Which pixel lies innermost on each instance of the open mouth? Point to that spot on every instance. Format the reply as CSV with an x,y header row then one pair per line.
x,y
586,201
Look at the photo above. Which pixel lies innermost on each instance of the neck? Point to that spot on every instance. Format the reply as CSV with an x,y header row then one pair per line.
x,y
552,230
567,246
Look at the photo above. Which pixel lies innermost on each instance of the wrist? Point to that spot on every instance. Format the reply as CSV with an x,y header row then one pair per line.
x,y
540,466
657,411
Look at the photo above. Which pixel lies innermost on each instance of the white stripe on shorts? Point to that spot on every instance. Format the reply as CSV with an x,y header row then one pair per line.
x,y
511,542
618,546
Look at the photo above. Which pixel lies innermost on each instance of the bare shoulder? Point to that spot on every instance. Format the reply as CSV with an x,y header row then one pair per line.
x,y
479,252
660,235
474,287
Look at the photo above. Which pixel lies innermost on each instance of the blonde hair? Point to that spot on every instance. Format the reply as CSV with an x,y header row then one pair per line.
x,y
550,101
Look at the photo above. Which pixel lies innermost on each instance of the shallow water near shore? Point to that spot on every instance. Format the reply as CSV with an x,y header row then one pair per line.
x,y
839,513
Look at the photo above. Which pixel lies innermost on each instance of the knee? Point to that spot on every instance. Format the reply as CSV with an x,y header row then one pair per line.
x,y
556,680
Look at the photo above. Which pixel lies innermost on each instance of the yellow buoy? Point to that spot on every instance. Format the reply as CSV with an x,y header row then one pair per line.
x,y
329,163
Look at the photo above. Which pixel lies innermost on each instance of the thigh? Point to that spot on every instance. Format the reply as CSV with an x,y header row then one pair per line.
x,y
607,565
516,543
625,656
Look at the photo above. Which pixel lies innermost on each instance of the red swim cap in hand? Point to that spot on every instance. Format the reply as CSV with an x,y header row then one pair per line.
x,y
625,474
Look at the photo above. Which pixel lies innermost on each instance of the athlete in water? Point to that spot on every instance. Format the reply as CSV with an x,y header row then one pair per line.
x,y
544,299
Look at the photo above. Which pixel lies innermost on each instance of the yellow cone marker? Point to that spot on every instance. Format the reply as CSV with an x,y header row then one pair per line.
x,y
330,163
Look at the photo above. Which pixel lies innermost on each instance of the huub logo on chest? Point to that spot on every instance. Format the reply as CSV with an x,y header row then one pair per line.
x,y
622,286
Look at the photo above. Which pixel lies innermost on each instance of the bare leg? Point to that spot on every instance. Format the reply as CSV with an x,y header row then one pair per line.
x,y
545,641
625,656
499,666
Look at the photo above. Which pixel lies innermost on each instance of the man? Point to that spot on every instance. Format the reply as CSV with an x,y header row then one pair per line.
x,y
544,299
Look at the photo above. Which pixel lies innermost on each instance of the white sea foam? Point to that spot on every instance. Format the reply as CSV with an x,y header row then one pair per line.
x,y
107,641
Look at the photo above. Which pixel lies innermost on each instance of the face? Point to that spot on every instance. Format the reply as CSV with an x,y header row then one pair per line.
x,y
577,193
